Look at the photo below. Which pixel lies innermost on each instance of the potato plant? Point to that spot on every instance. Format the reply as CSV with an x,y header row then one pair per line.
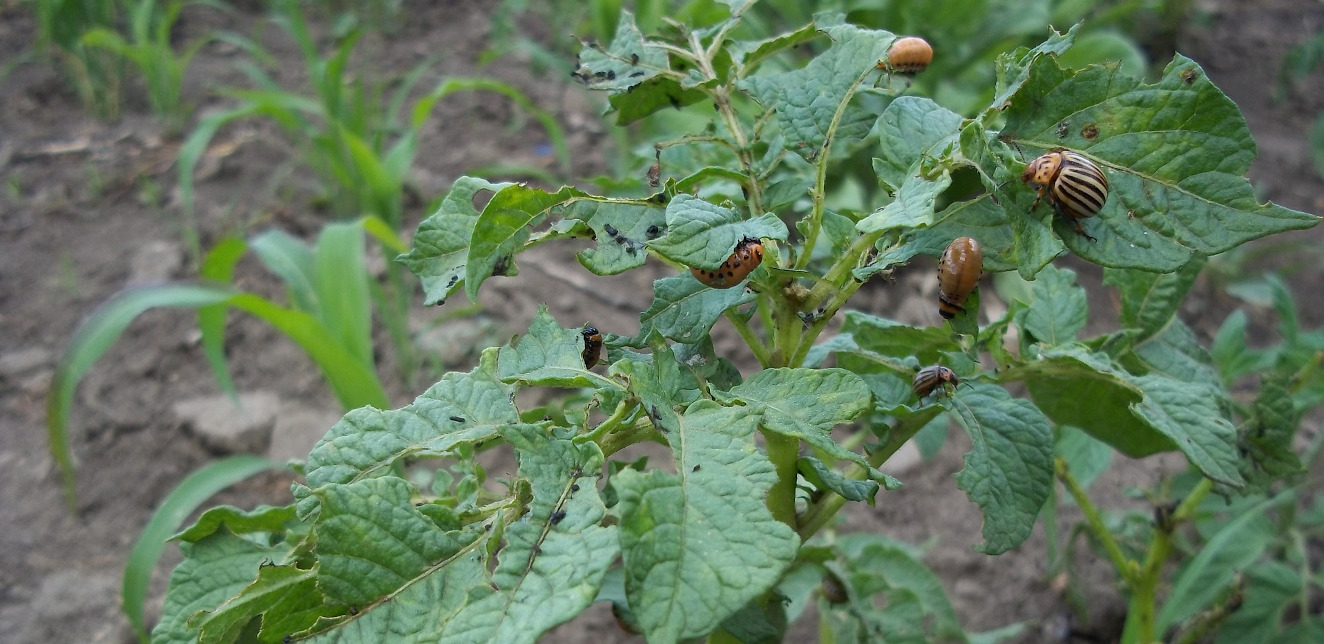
x,y
395,533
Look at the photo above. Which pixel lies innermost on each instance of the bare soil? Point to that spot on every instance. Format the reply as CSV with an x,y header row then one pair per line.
x,y
90,207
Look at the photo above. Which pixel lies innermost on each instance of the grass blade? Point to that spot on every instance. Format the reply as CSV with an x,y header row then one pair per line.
x,y
218,266
94,336
341,279
354,383
192,492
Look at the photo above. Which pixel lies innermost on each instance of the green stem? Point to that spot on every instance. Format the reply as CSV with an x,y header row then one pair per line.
x,y
1144,581
1094,519
747,334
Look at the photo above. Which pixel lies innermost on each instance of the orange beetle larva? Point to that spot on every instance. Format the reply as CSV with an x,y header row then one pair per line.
x,y
1072,183
909,55
958,274
930,378
746,258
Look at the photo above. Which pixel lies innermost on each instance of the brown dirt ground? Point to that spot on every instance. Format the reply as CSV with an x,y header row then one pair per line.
x,y
89,207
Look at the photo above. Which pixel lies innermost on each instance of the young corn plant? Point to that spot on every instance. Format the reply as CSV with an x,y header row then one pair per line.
x,y
148,47
717,542
95,73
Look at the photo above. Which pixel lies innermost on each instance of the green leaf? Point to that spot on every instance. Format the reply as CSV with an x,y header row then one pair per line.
x,y
555,557
1137,415
703,235
823,477
1210,572
371,540
416,613
806,404
1271,588
914,605
1189,413
462,408
1013,68
1166,203
1267,439
288,593
1009,472
1232,353
980,218
1150,300
701,544
93,337
809,103
547,355
1059,309
622,231
190,493
501,230
888,338
1176,352
911,131
214,569
749,54
684,310
441,244
264,518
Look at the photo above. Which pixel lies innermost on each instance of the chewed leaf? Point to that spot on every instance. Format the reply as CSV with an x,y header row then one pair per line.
x,y
1175,154
502,228
622,231
461,408
372,541
703,234
441,245
548,355
701,544
627,62
555,558
1009,471
809,102
683,309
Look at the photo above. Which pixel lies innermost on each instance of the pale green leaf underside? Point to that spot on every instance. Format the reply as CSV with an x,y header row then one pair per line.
x,y
808,102
461,408
701,544
1009,472
806,404
441,244
683,309
549,570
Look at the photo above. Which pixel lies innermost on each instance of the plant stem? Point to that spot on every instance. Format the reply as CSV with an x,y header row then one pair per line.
x,y
1094,520
747,334
1144,580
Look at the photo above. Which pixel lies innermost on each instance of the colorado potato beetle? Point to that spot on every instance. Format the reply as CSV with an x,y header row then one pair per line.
x,y
932,378
1072,183
746,258
958,274
909,55
592,345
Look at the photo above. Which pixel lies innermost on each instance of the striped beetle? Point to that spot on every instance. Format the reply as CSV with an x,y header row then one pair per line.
x,y
1072,183
930,378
